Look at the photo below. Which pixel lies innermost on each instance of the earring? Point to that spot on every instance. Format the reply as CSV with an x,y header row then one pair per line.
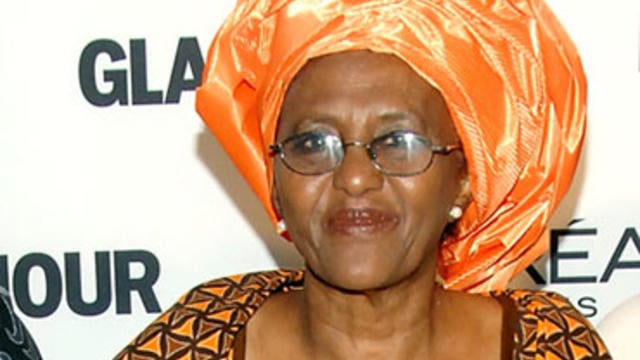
x,y
455,213
282,226
282,229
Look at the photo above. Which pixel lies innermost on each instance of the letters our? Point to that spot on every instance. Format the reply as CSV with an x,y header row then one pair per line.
x,y
119,278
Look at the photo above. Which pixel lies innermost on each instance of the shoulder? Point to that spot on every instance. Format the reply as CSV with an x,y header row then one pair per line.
x,y
204,321
543,303
549,326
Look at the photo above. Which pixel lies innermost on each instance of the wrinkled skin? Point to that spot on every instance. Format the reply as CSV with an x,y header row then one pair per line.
x,y
370,240
360,95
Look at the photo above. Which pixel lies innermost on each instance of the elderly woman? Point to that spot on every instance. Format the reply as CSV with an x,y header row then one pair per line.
x,y
413,152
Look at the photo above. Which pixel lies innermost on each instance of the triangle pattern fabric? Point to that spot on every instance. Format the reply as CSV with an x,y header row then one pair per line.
x,y
204,323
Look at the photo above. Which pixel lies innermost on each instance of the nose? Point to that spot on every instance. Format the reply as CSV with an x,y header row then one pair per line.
x,y
356,174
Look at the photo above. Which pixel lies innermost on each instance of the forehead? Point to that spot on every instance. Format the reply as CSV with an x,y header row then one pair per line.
x,y
363,85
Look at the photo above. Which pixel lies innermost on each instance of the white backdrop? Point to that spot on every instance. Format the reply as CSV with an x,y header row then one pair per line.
x,y
129,205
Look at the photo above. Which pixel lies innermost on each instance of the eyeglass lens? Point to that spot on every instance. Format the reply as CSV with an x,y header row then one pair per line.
x,y
395,153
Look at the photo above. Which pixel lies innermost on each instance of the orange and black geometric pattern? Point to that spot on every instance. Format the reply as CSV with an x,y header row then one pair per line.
x,y
204,323
551,328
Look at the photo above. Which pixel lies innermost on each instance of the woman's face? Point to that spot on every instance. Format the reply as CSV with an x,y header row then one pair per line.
x,y
357,228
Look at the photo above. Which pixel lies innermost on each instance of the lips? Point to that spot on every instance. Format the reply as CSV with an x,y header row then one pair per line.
x,y
361,221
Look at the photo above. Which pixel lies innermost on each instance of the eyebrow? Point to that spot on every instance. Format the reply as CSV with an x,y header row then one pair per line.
x,y
403,117
314,119
397,115
400,116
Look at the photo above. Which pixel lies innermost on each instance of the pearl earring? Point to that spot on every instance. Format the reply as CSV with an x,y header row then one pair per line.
x,y
455,213
282,226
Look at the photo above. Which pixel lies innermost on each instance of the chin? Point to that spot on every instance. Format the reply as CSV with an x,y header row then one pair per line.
x,y
368,263
358,277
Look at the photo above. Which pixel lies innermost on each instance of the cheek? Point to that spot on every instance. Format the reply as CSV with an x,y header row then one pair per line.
x,y
428,199
300,199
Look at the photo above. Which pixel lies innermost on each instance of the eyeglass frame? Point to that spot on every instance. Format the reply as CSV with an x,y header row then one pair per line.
x,y
277,149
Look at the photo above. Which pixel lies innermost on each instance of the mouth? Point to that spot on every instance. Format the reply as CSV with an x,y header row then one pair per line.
x,y
361,221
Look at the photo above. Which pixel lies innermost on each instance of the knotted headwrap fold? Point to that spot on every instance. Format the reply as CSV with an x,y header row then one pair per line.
x,y
508,71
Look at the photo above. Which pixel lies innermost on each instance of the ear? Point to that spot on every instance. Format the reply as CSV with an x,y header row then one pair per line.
x,y
460,203
464,196
275,200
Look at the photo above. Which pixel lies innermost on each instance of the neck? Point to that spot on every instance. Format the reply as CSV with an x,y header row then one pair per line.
x,y
395,322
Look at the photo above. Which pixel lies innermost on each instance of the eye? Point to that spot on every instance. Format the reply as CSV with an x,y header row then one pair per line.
x,y
309,143
400,146
395,140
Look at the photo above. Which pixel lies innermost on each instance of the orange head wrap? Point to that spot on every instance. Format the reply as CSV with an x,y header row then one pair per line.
x,y
508,71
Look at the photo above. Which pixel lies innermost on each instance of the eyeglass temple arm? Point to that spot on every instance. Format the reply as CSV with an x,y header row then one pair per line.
x,y
275,149
445,149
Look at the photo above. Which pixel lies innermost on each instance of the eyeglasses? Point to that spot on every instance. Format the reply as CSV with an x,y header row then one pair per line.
x,y
398,153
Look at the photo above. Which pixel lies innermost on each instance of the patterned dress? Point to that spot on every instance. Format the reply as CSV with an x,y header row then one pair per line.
x,y
15,341
204,323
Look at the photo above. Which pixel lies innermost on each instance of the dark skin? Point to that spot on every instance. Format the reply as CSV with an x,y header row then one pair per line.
x,y
370,293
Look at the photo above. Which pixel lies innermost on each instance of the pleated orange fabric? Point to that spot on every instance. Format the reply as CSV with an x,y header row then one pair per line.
x,y
511,77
